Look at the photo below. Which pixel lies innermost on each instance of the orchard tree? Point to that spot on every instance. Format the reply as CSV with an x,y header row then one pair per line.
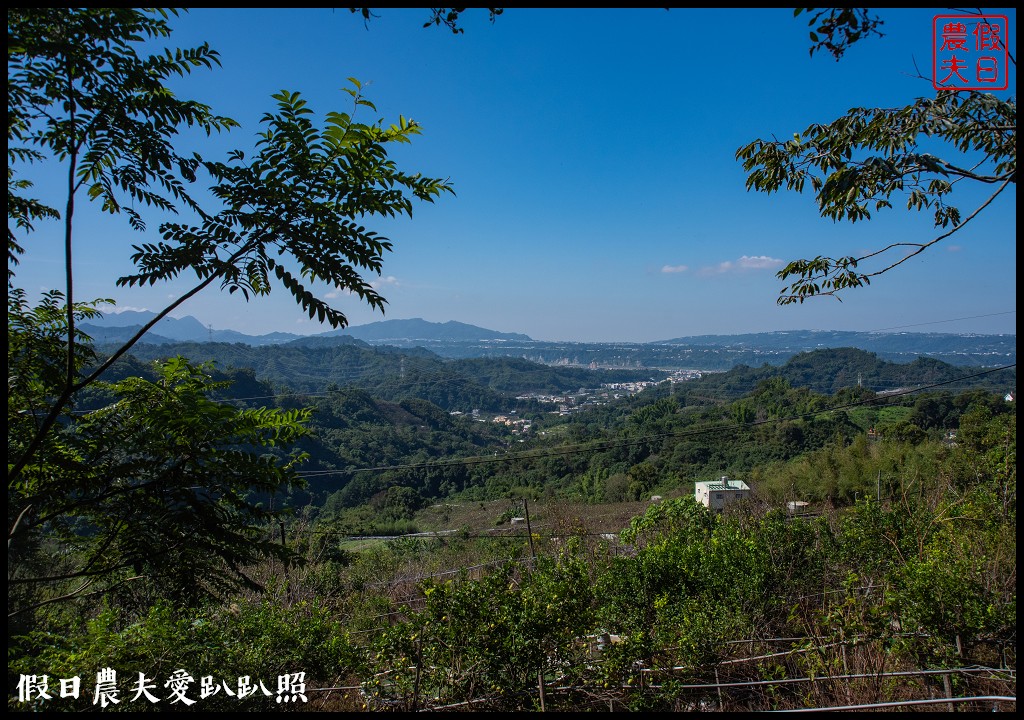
x,y
85,95
871,158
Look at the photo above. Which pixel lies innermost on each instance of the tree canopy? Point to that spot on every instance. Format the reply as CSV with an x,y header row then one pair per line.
x,y
871,158
165,475
291,213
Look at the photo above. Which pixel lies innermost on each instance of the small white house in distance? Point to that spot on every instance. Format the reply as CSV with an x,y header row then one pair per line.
x,y
715,494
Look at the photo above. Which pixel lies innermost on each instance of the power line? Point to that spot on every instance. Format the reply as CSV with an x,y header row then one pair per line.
x,y
939,322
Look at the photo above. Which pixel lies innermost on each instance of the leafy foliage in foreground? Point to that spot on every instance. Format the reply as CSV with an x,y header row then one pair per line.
x,y
259,639
160,485
870,158
84,96
922,578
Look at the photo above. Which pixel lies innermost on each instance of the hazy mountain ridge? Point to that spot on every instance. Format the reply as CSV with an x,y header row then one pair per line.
x,y
420,329
705,352
120,326
800,340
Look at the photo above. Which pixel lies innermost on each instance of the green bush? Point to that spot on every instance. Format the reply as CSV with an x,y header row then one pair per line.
x,y
262,640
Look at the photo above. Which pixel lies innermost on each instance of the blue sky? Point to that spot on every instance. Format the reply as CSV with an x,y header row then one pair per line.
x,y
592,155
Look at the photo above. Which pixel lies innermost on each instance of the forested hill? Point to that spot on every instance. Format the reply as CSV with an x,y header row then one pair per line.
x,y
392,374
828,371
492,384
377,407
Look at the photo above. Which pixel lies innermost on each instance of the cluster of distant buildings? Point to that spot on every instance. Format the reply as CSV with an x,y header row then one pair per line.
x,y
568,403
516,424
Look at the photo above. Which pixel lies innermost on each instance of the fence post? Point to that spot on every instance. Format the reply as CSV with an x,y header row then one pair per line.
x,y
949,692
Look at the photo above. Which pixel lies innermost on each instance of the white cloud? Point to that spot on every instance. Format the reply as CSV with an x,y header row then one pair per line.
x,y
338,292
721,267
746,262
954,248
390,280
674,268
759,262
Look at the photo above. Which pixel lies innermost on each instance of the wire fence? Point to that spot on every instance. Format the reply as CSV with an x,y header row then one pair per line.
x,y
383,693
995,702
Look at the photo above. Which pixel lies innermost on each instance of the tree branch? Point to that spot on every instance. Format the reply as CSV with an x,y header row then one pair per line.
x,y
924,246
830,274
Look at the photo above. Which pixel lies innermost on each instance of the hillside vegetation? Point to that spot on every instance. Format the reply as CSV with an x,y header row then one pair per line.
x,y
329,526
895,582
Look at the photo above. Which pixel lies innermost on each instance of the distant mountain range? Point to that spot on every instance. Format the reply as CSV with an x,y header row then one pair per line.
x,y
460,340
119,327
390,331
806,340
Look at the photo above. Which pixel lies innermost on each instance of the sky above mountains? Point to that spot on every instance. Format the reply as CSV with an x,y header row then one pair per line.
x,y
592,152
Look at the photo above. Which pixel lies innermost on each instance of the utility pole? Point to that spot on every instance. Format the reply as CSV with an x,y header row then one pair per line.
x,y
529,530
533,554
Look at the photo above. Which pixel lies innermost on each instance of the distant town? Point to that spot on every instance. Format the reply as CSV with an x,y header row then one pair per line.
x,y
582,399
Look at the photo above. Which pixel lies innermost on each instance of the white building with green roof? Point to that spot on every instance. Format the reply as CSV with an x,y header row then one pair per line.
x,y
716,494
